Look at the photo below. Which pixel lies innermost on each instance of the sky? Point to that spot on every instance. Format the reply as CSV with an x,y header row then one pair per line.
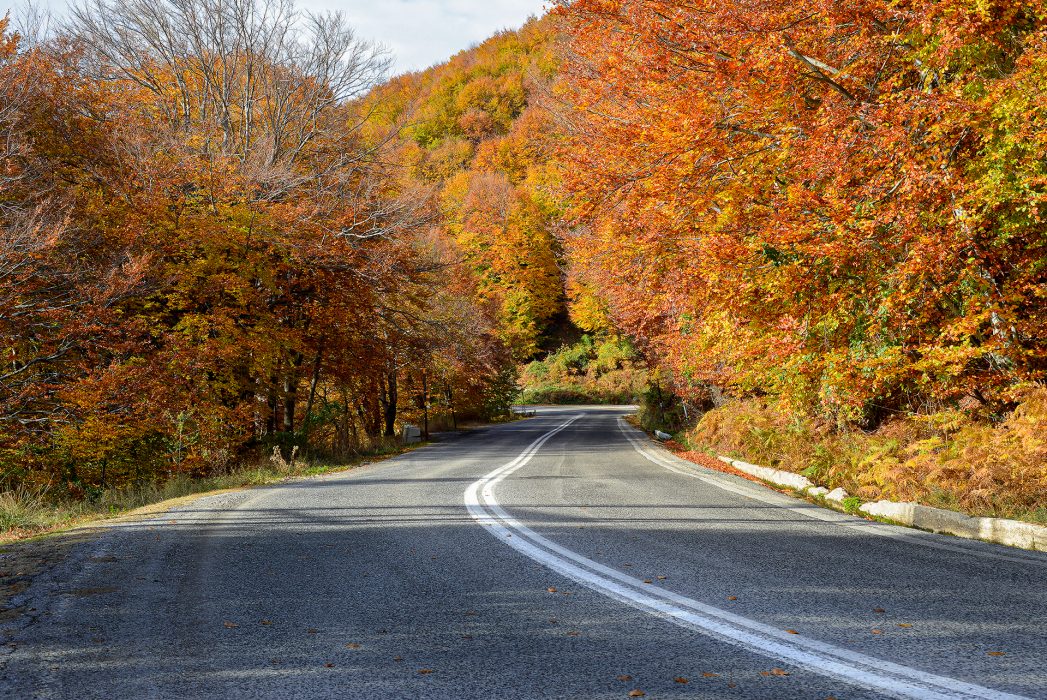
x,y
423,32
420,33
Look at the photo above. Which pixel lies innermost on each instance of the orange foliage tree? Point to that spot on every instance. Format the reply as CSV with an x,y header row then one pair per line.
x,y
206,251
838,203
475,136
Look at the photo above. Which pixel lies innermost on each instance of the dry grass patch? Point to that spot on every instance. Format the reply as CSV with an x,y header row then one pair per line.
x,y
948,459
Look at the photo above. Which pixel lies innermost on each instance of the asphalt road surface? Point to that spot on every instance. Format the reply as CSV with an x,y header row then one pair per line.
x,y
563,556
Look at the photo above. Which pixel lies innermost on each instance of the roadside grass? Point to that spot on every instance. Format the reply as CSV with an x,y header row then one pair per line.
x,y
947,460
26,513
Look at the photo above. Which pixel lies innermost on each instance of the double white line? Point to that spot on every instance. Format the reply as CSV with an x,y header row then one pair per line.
x,y
884,677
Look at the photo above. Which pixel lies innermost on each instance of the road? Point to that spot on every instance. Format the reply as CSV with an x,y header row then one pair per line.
x,y
563,556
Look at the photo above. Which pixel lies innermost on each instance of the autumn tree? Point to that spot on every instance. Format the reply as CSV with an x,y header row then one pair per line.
x,y
811,201
476,135
208,247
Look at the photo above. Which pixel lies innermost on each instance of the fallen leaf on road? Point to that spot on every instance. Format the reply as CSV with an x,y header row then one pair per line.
x,y
732,597
230,625
996,653
879,610
637,693
775,672
425,671
681,679
710,674
792,631
328,665
265,622
471,612
353,645
647,580
876,631
398,658
662,578
312,631
551,589
573,633
625,677
906,625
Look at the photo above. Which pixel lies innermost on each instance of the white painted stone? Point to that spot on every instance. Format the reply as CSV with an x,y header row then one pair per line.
x,y
765,473
412,434
791,480
1000,531
662,436
836,495
947,521
898,512
1013,533
777,477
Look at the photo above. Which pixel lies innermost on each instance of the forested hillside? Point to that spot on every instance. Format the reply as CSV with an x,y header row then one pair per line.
x,y
483,136
224,230
476,140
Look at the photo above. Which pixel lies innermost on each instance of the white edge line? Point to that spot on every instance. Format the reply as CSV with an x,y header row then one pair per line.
x,y
897,532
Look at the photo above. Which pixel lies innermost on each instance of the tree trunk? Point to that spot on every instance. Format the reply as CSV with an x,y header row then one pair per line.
x,y
313,383
450,402
290,392
273,403
425,405
390,406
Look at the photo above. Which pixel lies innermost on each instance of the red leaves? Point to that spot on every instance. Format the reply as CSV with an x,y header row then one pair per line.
x,y
775,672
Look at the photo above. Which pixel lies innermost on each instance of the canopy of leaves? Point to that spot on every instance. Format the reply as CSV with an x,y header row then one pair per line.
x,y
839,203
206,248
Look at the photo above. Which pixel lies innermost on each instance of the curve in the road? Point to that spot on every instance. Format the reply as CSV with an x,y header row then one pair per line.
x,y
885,677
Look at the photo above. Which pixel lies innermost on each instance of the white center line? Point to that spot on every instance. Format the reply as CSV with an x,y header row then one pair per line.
x,y
826,659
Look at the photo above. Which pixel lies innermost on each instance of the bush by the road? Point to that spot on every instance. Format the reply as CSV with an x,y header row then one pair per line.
x,y
946,459
606,370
